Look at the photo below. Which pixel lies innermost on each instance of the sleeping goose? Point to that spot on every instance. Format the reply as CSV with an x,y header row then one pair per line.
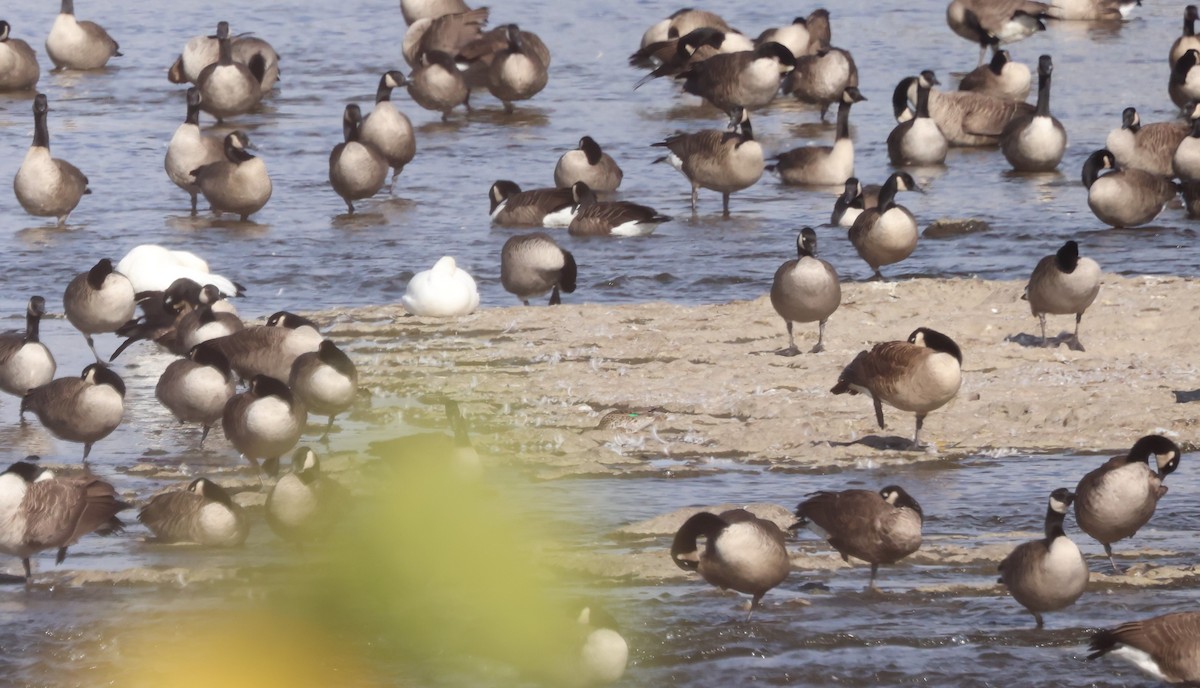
x,y
46,186
532,264
824,72
1124,197
83,409
99,300
25,362
387,128
357,169
190,148
443,291
195,389
1001,78
202,513
238,183
19,69
1149,147
326,380
74,44
227,87
995,22
805,289
1166,647
1189,40
436,84
917,140
724,161
305,503
795,36
594,217
886,234
1035,143
964,118
517,72
1064,284
590,165
1048,574
749,79
264,422
741,552
512,207
1184,84
822,165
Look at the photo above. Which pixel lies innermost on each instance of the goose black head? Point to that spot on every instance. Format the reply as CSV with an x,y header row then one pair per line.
x,y
806,242
389,80
999,59
1060,500
501,191
591,150
932,339
900,99
684,550
852,95
335,358
1100,160
5,29
905,182
210,491
777,51
1045,66
207,355
237,145
1130,119
1067,257
267,386
222,31
27,471
899,498
351,122
306,465
582,194
99,272
289,320
100,374
37,307
181,293
1166,453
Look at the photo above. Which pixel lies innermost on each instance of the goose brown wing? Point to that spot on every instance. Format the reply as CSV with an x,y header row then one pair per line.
x,y
851,518
1025,556
880,368
170,515
10,344
1161,138
1170,639
990,115
455,33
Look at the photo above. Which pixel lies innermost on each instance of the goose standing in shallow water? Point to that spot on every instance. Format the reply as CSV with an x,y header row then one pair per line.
x,y
1125,197
326,380
516,73
805,289
887,233
25,362
917,140
590,165
1035,143
269,349
195,389
724,161
822,165
99,300
357,169
436,84
1001,78
443,291
388,129
190,148
83,409
46,186
1048,574
228,88
238,183
532,264
594,217
304,504
741,552
1063,283
202,513
74,44
748,79
19,69
202,51
264,422
1166,647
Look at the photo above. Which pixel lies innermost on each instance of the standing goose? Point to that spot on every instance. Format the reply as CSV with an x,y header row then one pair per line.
x,y
228,88
1187,41
74,44
179,318
1124,197
25,362
822,77
741,552
82,409
326,380
917,140
202,51
512,207
919,375
849,205
305,503
1166,647
996,22
1048,574
443,291
822,165
724,161
749,78
886,234
99,300
878,527
202,513
46,186
190,148
357,169
532,264
964,118
1035,143
805,289
195,389
39,511
387,128
1092,10
436,84
1001,78
1184,83
1063,283
516,73
238,183
1149,147
590,165
19,69
610,218
264,422
1115,500
269,349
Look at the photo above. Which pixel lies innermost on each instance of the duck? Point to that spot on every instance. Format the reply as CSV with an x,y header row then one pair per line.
x,y
443,291
1063,283
822,165
25,362
741,552
305,504
1184,84
805,289
724,161
887,233
326,380
512,207
1125,197
357,169
429,9
917,140
610,218
83,409
46,186
270,349
1048,574
19,69
1035,143
1114,501
1001,78
1188,40
237,184
1092,10
996,22
849,204
1185,162
822,77
1164,647
202,51
388,129
516,73
590,165
1149,147
877,527
964,118
748,79
196,389
202,513
152,267
264,422
190,148
919,375
40,511
436,84
99,300
227,87
533,264
74,44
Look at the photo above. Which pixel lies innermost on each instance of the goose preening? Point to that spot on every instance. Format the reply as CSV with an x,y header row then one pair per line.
x,y
304,504
1125,197
1166,647
996,22
429,9
1036,142
878,527
1048,574
724,161
676,55
326,380
1188,40
517,72
269,349
917,140
594,217
603,653
748,79
1114,501
204,322
532,264
964,118
357,169
19,69
99,300
822,165
387,128
512,207
448,33
195,389
179,318
227,87
1001,78
202,513
46,186
151,267
1149,147
202,51
590,165
74,44
794,36
443,291
190,148
887,233
39,511
436,84
83,409
238,183
1092,10
741,552
264,422
805,289
919,375
1063,283
822,78
1184,83
25,362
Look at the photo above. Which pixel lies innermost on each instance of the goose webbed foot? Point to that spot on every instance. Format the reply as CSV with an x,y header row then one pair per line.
x,y
792,350
1074,344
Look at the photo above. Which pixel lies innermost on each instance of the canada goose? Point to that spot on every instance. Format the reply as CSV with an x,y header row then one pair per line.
x,y
590,165
1187,41
917,140
237,184
227,87
964,118
357,169
996,22
436,84
204,322
512,207
79,409
1035,143
443,291
849,205
202,513
1149,147
99,300
1114,501
387,128
202,51
1166,647
190,148
326,380
46,186
677,54
39,511
886,234
532,264
822,77
1184,84
162,314
74,44
479,55
1001,78
1185,162
19,69
724,161
822,165
741,552
1064,284
1048,574
269,349
429,9
611,218
305,503
820,32
195,389
805,289
604,652
1092,10
516,73
878,527
919,375
1126,197
25,362
748,79
264,422
795,37
151,267
447,33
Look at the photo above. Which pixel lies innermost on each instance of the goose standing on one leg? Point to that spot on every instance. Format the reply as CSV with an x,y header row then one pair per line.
x,y
1063,283
357,169
74,44
46,186
99,300
190,148
326,381
83,409
805,289
741,552
238,183
1035,143
1048,574
388,129
822,165
532,264
25,362
724,161
887,233
195,389
516,73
